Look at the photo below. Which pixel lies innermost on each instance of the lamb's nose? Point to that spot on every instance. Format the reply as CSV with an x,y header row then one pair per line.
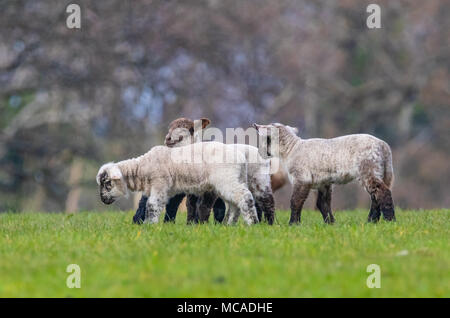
x,y
168,139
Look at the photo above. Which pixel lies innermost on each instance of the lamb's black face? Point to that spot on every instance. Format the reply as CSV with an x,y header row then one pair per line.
x,y
268,145
106,187
265,139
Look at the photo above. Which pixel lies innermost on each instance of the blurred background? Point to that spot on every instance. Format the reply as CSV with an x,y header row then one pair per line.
x,y
72,99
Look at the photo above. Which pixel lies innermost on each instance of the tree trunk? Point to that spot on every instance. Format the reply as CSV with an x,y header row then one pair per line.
x,y
76,173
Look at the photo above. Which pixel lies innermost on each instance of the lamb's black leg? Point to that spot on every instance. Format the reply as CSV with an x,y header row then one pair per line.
x,y
375,212
268,206
259,211
172,207
324,204
204,205
381,201
387,205
219,210
299,195
139,216
191,205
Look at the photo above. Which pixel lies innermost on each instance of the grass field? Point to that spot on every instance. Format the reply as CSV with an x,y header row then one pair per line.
x,y
118,259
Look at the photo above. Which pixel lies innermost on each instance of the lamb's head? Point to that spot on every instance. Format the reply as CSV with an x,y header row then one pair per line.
x,y
267,134
111,183
184,131
270,136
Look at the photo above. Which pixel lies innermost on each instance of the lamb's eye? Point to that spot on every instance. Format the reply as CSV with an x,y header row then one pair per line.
x,y
180,138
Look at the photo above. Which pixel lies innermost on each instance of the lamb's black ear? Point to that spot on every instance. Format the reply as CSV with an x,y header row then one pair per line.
x,y
102,177
205,122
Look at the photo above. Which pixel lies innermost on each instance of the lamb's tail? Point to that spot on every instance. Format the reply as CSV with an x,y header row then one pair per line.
x,y
388,177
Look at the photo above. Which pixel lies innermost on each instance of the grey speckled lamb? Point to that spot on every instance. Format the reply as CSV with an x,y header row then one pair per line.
x,y
319,163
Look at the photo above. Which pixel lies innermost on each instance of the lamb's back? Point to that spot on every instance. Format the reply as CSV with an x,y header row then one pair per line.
x,y
337,159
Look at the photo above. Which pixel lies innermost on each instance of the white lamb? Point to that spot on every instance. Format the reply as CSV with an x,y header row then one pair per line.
x,y
319,163
163,172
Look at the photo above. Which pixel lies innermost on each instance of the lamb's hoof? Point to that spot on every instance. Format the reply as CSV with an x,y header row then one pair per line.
x,y
137,220
139,216
389,214
389,218
329,221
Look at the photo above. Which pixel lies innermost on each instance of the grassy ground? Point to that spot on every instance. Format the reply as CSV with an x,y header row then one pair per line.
x,y
118,259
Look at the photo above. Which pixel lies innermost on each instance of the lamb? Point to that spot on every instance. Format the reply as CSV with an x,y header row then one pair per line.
x,y
183,131
320,163
195,169
192,202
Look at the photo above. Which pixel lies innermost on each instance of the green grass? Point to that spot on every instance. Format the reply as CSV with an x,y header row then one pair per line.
x,y
118,259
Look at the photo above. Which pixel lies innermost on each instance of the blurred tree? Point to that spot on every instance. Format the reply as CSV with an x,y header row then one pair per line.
x,y
76,98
